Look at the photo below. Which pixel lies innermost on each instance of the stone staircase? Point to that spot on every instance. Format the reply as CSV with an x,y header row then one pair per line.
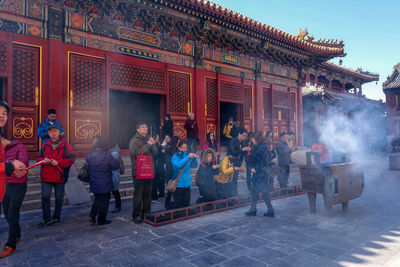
x,y
32,199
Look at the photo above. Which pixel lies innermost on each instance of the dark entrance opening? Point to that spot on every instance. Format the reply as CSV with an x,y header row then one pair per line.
x,y
127,109
227,110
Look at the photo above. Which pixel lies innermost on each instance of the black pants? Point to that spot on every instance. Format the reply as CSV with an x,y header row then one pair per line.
x,y
283,177
248,175
12,202
255,198
182,197
234,184
158,186
223,190
192,142
100,206
142,196
117,197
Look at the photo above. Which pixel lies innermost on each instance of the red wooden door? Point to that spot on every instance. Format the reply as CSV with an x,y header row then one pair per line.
x,y
24,95
178,100
87,100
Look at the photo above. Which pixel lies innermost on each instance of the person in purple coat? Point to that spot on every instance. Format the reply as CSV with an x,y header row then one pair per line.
x,y
15,192
101,164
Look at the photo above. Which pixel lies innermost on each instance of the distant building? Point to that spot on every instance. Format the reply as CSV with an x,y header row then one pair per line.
x,y
391,88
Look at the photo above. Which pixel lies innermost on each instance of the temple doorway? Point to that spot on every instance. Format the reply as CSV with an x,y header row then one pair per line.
x,y
228,110
129,108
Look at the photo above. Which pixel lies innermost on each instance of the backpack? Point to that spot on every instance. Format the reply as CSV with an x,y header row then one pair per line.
x,y
84,173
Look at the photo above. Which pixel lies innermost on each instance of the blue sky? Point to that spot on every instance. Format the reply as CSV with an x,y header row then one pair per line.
x,y
369,29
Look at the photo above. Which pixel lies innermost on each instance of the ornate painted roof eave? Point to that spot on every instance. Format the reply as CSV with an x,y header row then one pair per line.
x,y
363,75
393,81
323,49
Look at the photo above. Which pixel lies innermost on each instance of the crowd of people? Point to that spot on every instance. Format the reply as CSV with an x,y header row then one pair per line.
x,y
158,163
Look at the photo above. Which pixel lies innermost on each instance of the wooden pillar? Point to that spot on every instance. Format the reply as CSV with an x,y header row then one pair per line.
x,y
307,76
316,79
360,90
330,84
259,106
343,86
355,90
300,133
55,98
199,104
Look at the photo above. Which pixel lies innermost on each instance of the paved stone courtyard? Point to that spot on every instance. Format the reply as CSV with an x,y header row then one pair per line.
x,y
368,235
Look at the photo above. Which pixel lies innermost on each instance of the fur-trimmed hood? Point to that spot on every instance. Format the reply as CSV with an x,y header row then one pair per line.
x,y
206,152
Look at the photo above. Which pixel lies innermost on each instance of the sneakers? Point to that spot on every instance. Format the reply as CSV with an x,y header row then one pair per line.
x,y
7,251
137,219
116,210
44,223
251,213
55,222
104,222
270,213
92,220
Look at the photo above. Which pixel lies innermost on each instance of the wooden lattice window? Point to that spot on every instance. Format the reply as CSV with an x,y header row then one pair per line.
x,y
231,92
3,58
280,98
128,76
24,76
292,106
267,103
247,100
88,82
212,97
178,92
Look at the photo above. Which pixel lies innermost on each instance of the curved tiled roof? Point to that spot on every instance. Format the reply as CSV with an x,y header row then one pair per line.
x,y
363,75
393,81
319,48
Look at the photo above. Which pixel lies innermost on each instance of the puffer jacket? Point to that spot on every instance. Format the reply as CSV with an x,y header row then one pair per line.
x,y
226,170
101,165
63,154
179,160
17,151
136,145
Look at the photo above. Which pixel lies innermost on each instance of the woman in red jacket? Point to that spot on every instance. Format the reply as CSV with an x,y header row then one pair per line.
x,y
12,199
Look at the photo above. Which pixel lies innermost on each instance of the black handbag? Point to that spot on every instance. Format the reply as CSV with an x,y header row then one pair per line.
x,y
84,174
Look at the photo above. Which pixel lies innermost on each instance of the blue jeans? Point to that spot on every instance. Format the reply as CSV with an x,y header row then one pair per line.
x,y
46,195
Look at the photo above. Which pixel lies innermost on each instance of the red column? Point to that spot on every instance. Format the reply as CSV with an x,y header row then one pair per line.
x,y
355,90
343,87
259,106
300,117
199,104
330,84
360,90
307,76
316,79
57,98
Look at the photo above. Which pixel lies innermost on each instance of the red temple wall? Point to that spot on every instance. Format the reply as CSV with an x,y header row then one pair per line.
x,y
66,72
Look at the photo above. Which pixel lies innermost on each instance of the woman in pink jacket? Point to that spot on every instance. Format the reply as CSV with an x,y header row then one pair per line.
x,y
14,158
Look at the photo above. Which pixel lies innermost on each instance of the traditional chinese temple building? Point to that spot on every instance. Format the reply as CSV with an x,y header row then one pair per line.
x,y
106,64
391,88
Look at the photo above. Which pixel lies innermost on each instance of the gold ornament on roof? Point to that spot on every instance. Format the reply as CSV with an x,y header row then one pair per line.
x,y
302,34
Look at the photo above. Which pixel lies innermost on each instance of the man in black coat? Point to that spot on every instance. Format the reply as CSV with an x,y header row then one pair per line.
x,y
237,149
283,150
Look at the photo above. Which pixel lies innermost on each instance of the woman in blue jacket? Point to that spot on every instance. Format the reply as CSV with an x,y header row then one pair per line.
x,y
101,164
183,160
